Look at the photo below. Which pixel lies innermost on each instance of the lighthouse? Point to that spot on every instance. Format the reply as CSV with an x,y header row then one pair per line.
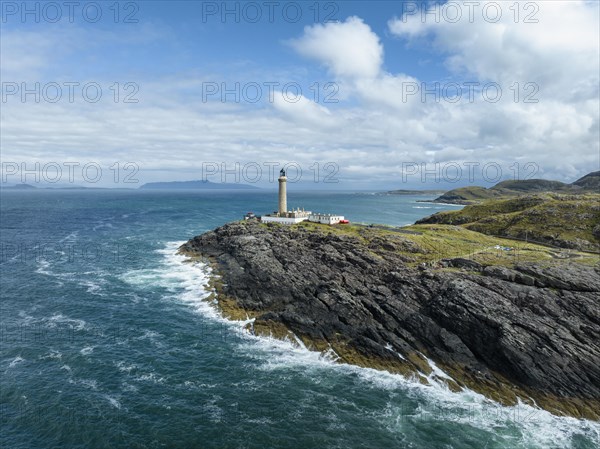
x,y
294,216
282,193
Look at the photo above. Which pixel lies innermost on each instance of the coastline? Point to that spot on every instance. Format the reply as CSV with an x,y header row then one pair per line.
x,y
412,360
458,203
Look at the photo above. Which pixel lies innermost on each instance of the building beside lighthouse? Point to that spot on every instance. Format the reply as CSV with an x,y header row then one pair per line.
x,y
289,217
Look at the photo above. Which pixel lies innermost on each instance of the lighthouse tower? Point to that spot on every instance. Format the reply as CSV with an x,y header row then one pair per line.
x,y
290,217
282,193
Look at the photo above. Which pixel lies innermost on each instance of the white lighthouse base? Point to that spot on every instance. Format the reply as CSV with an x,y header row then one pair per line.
x,y
282,220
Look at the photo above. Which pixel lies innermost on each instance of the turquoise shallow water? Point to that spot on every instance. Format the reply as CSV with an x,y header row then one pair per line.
x,y
106,342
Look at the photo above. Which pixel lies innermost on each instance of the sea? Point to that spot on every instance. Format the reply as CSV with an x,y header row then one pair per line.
x,y
108,341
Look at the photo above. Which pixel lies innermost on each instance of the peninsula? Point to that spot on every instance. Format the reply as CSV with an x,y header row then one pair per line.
x,y
513,320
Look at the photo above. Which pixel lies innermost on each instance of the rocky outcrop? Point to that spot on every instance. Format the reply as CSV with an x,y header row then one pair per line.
x,y
527,331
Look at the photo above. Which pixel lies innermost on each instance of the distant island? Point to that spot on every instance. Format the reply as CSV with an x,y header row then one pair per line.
x,y
56,187
196,185
170,185
18,187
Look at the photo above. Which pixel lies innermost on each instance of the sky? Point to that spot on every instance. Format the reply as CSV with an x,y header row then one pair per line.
x,y
344,95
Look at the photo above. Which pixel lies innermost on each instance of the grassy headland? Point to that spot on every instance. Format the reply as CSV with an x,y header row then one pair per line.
x,y
567,221
429,243
589,183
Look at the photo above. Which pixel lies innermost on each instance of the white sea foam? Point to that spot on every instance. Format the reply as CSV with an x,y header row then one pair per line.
x,y
103,224
58,319
536,428
152,336
450,204
53,354
150,377
43,266
87,383
71,237
93,280
124,367
128,387
114,402
436,371
26,318
16,361
194,385
213,411
92,287
177,273
390,348
149,335
87,350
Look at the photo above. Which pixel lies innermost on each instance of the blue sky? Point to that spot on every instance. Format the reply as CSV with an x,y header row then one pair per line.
x,y
370,57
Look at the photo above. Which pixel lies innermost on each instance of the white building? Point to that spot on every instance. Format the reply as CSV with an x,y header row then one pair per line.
x,y
282,220
290,217
325,218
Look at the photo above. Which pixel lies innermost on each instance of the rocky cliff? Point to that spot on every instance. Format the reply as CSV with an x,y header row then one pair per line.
x,y
527,331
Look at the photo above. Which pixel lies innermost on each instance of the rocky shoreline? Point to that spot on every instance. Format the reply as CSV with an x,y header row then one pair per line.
x,y
528,332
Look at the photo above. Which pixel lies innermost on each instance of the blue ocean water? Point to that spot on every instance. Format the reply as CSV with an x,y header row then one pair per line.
x,y
106,342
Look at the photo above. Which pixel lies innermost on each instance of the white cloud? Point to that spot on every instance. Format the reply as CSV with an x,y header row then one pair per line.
x,y
559,51
348,49
304,112
23,54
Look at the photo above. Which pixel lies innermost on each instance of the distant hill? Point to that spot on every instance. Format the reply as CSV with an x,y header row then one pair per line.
x,y
196,185
467,195
565,220
530,185
19,187
414,192
590,183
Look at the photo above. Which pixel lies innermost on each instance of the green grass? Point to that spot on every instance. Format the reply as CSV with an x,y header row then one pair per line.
x,y
445,242
429,243
561,220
